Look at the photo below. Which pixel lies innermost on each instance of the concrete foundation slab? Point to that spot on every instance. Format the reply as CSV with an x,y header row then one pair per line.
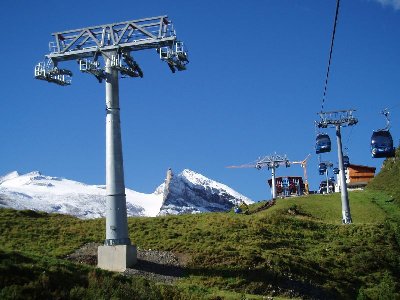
x,y
116,258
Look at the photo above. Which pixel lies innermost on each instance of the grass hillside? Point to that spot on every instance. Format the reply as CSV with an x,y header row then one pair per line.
x,y
388,179
296,248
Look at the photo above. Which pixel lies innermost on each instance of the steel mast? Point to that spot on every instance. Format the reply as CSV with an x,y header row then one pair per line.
x,y
271,162
114,43
338,119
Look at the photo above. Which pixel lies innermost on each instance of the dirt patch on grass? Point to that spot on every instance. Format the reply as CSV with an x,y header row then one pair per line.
x,y
160,266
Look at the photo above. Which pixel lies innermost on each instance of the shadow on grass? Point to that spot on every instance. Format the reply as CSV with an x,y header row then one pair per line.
x,y
160,269
267,282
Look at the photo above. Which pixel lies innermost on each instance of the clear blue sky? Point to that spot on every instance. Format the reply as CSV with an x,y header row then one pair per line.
x,y
253,87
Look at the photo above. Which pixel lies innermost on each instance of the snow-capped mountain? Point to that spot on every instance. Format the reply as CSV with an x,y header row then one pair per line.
x,y
52,194
188,192
191,192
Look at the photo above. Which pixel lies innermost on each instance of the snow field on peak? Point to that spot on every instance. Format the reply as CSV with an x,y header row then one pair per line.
x,y
52,194
9,176
151,203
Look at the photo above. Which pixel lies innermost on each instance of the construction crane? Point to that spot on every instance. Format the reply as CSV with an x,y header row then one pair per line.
x,y
271,162
303,164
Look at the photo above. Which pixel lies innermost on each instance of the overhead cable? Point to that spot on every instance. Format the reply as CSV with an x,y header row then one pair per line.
x,y
330,54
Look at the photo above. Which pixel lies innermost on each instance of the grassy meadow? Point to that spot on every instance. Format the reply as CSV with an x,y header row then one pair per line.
x,y
298,248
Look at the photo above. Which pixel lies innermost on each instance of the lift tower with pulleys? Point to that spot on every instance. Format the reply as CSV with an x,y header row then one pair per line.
x,y
271,162
114,43
338,119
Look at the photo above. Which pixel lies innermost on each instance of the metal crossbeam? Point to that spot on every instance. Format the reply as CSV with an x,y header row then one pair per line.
x,y
116,42
272,161
269,161
132,35
337,118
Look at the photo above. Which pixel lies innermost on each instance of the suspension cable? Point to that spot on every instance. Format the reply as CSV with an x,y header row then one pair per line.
x,y
330,54
348,138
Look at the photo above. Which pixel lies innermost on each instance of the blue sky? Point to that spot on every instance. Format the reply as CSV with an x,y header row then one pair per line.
x,y
253,87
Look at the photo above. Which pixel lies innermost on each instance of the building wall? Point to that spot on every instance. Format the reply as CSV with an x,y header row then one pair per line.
x,y
357,174
360,173
294,182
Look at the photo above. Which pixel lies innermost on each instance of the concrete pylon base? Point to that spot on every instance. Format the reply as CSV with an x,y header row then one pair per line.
x,y
116,258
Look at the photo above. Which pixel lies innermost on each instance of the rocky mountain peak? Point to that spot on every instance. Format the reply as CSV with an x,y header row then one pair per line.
x,y
191,192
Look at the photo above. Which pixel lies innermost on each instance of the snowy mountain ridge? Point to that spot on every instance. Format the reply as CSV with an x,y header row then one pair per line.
x,y
198,179
193,191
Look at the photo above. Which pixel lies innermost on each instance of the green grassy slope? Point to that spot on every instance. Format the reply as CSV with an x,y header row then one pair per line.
x,y
388,179
27,276
296,248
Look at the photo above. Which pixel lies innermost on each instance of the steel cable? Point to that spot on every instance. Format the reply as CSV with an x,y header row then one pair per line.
x,y
330,54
